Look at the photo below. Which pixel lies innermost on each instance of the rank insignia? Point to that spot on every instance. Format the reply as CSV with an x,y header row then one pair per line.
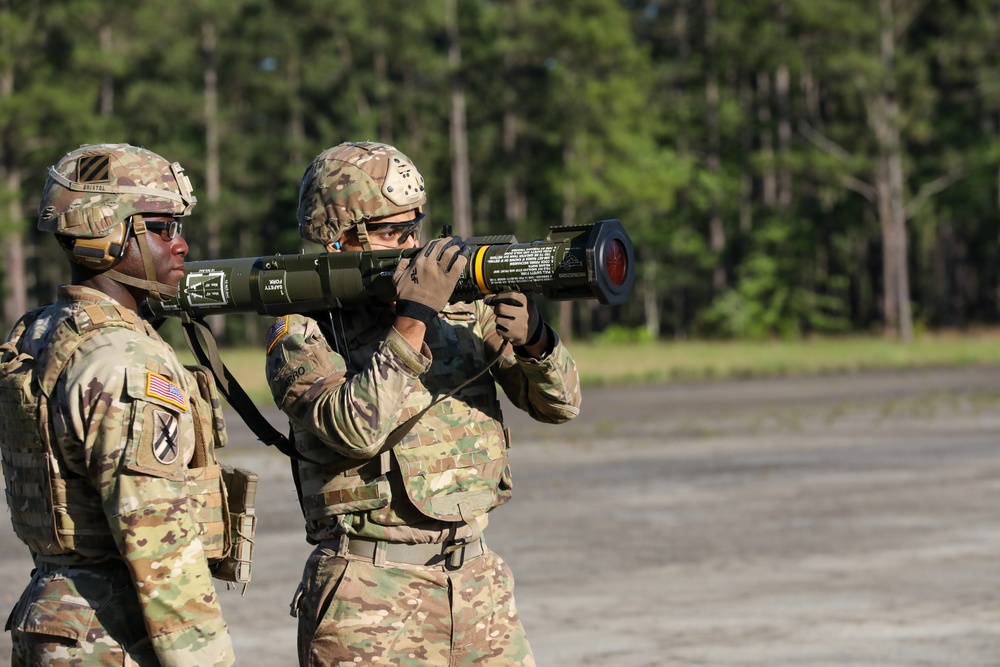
x,y
160,387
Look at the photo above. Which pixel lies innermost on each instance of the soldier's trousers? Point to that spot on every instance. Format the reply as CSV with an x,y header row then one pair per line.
x,y
353,613
81,617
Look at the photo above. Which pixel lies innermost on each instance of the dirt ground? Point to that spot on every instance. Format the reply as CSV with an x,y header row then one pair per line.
x,y
842,520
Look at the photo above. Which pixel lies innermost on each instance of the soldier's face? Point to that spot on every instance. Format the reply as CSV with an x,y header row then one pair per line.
x,y
167,253
389,233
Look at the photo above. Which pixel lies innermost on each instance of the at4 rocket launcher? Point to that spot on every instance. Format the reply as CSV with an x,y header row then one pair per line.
x,y
572,262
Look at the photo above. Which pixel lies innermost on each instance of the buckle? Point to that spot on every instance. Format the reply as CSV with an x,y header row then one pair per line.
x,y
455,553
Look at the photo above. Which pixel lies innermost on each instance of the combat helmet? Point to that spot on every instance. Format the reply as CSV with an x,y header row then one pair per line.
x,y
95,196
351,183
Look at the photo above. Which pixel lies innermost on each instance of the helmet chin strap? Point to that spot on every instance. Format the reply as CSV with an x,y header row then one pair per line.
x,y
157,290
362,231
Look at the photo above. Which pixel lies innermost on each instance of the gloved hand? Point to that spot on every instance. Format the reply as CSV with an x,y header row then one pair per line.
x,y
517,317
425,281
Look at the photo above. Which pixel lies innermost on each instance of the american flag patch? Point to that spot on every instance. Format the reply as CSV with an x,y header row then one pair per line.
x,y
160,387
279,329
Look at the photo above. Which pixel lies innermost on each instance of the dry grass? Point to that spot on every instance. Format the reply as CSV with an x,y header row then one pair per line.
x,y
692,360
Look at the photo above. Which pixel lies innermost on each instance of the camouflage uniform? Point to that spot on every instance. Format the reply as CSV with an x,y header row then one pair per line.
x,y
124,412
362,599
108,441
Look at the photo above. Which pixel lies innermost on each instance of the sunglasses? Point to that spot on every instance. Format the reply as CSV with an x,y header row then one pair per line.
x,y
395,233
167,230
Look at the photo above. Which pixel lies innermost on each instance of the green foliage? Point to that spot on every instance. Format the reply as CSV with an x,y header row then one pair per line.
x,y
734,138
775,295
617,334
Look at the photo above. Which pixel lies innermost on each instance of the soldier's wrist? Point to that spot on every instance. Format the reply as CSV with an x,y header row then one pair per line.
x,y
415,310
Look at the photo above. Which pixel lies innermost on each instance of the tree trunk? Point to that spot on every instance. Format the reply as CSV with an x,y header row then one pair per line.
x,y
885,119
212,178
890,291
568,218
381,67
15,293
16,302
746,168
781,94
461,190
713,159
514,202
296,118
651,301
107,78
769,182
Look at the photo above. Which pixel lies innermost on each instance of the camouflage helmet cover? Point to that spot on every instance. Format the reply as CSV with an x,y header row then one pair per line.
x,y
94,188
354,182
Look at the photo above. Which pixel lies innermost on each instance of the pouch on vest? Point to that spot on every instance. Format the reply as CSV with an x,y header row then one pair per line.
x,y
241,490
205,478
209,392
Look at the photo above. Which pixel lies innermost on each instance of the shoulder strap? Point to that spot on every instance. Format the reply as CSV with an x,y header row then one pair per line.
x,y
208,355
22,324
72,331
244,406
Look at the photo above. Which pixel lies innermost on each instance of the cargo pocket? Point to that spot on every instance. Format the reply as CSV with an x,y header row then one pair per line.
x,y
55,606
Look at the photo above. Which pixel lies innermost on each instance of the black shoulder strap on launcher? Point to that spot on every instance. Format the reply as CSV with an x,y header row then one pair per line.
x,y
231,389
237,397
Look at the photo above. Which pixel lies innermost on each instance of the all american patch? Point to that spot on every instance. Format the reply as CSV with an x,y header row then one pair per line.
x,y
279,329
160,387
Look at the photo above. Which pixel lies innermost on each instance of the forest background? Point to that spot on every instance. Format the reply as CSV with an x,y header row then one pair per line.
x,y
785,167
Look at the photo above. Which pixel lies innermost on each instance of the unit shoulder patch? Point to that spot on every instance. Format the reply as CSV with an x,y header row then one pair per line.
x,y
166,437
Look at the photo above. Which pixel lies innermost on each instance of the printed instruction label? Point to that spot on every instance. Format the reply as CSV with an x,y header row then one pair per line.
x,y
206,290
520,264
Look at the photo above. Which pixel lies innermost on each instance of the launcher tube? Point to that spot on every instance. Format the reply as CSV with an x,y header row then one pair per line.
x,y
572,262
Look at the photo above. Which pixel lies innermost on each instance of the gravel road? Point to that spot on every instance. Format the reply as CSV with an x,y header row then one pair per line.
x,y
839,520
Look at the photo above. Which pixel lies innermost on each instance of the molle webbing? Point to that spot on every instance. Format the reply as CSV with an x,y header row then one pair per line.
x,y
446,459
204,480
53,510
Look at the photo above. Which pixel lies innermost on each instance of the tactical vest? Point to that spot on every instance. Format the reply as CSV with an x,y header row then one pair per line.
x,y
54,510
451,464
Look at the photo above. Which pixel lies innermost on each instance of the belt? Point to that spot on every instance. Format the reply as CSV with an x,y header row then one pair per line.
x,y
451,555
107,567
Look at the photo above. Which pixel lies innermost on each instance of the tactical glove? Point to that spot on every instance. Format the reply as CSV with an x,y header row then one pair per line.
x,y
517,318
425,281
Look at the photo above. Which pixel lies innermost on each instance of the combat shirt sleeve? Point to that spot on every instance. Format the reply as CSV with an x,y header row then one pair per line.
x,y
548,389
136,440
350,412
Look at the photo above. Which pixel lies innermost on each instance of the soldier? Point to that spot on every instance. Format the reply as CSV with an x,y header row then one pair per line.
x,y
397,422
107,440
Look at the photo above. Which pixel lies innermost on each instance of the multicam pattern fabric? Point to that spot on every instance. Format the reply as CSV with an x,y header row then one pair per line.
x,y
342,411
436,484
354,182
353,613
80,616
132,451
94,188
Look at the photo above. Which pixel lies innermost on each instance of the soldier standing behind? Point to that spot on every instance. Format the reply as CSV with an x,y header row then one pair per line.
x,y
107,440
400,473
